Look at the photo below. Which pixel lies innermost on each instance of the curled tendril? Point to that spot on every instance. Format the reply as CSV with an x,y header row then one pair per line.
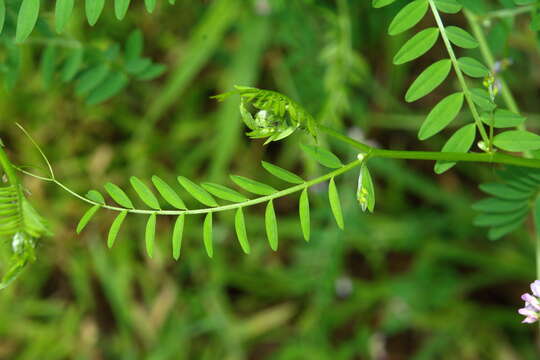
x,y
270,115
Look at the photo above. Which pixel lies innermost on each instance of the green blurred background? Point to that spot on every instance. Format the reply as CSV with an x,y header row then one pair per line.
x,y
414,281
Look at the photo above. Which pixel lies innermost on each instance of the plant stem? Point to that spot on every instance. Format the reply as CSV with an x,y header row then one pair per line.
x,y
459,73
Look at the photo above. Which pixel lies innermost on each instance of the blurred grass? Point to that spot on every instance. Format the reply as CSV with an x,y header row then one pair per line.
x,y
413,281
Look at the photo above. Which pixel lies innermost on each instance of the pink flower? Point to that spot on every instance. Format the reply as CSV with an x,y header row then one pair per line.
x,y
531,311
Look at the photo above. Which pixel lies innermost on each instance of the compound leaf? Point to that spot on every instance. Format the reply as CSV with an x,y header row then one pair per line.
x,y
407,17
305,214
442,114
417,46
177,236
168,193
335,203
150,234
282,174
197,192
253,186
207,235
271,225
146,195
118,195
241,233
115,228
87,217
428,80
322,156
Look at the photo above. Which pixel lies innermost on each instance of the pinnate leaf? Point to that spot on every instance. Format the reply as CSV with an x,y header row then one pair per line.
x,y
460,37
224,192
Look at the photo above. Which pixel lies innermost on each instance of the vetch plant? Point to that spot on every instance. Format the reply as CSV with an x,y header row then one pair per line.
x,y
495,134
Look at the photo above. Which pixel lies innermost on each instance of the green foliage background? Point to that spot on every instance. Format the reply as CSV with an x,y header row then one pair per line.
x,y
415,280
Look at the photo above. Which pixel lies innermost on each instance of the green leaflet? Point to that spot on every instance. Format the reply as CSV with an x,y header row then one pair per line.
x,y
496,205
503,119
407,17
93,10
241,233
517,141
322,156
177,236
95,196
26,19
499,219
505,191
304,212
498,232
253,186
118,195
271,226
62,13
382,3
460,142
91,78
207,235
120,8
48,65
113,84
428,80
150,5
115,228
168,193
441,115
87,217
197,192
2,15
146,195
473,67
72,65
448,6
417,46
224,192
150,234
481,98
335,203
282,174
460,37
